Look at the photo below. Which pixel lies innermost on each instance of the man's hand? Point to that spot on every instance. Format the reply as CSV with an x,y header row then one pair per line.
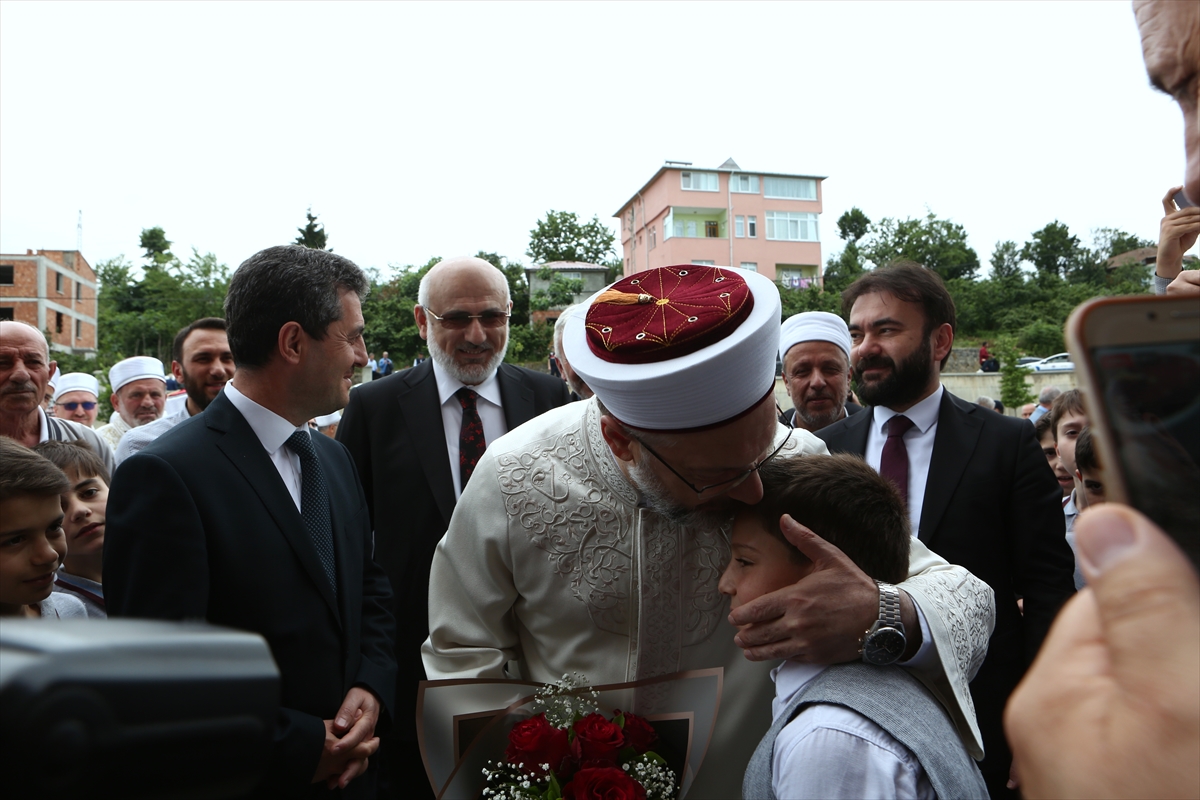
x,y
349,739
1111,706
1176,235
1186,284
820,618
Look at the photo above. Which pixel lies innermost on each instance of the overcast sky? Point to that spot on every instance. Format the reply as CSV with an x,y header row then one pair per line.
x,y
416,130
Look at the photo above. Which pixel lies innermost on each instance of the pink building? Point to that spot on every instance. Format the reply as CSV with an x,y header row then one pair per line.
x,y
761,221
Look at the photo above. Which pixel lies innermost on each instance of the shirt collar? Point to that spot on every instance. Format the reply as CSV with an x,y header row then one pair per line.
x,y
489,390
922,415
272,430
43,425
792,676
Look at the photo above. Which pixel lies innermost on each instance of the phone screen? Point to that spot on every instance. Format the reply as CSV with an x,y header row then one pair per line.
x,y
1152,397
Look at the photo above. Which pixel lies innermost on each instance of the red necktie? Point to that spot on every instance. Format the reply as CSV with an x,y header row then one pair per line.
x,y
894,464
471,443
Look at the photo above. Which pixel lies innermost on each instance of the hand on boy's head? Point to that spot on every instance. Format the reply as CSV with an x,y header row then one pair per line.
x,y
820,618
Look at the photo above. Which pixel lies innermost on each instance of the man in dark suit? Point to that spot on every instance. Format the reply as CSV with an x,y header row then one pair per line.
x,y
411,438
979,490
240,517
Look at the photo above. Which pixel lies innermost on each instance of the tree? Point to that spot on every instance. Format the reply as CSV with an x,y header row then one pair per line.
x,y
853,225
561,237
1006,260
518,287
1111,242
312,235
560,292
158,249
1014,392
937,244
1053,250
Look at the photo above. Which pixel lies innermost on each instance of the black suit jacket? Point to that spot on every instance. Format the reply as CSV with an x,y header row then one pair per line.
x,y
200,525
991,505
393,429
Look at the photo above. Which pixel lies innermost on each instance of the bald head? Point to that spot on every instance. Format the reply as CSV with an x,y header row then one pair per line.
x,y
461,311
444,275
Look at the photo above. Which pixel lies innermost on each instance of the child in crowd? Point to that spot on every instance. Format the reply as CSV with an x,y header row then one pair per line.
x,y
1067,420
847,730
32,542
84,505
1045,437
1088,469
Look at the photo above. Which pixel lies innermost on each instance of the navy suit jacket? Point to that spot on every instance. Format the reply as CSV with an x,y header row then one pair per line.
x,y
393,429
991,505
201,526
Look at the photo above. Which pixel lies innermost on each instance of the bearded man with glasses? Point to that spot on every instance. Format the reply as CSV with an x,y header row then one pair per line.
x,y
592,539
416,437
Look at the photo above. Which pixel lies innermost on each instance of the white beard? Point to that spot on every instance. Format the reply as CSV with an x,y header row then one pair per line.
x,y
472,375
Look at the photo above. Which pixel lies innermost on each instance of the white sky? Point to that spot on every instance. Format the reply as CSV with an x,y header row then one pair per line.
x,y
419,129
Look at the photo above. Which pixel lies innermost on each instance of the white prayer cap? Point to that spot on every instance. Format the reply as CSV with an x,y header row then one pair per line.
x,y
77,382
54,378
814,326
678,348
135,369
329,419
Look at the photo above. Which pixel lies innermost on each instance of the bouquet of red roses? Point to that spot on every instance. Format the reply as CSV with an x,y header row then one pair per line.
x,y
570,751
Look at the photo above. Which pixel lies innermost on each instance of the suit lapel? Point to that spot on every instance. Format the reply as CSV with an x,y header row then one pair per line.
x,y
849,435
422,411
957,434
240,444
517,397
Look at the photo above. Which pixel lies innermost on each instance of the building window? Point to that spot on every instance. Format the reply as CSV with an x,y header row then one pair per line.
x,y
653,238
78,290
794,277
701,181
58,322
790,188
572,276
750,266
743,184
6,314
739,226
751,227
6,275
703,263
791,226
58,284
78,329
712,229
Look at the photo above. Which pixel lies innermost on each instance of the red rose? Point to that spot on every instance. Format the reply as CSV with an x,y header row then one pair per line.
x,y
534,742
603,783
639,734
597,739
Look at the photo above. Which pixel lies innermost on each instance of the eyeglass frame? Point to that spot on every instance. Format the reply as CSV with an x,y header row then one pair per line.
x,y
505,315
731,483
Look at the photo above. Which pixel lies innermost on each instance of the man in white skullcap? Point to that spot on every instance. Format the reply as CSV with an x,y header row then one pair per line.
x,y
77,398
25,370
592,538
139,392
328,423
814,348
579,389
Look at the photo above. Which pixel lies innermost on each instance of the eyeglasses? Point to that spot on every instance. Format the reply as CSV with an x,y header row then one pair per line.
x,y
87,406
723,485
457,321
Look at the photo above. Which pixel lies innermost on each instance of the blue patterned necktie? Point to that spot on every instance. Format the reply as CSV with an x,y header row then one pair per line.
x,y
314,502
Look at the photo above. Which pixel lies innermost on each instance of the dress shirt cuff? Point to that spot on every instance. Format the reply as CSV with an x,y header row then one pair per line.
x,y
1161,284
926,657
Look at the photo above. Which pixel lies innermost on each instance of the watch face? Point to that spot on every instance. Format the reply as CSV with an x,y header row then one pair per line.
x,y
883,646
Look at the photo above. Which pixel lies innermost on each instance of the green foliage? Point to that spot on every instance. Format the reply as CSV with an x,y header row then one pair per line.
x,y
1006,260
388,314
853,225
529,343
1111,242
796,301
843,269
1053,250
158,249
312,235
561,237
1014,391
518,287
937,244
561,291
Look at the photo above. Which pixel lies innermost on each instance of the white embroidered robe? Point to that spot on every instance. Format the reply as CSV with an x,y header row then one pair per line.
x,y
550,562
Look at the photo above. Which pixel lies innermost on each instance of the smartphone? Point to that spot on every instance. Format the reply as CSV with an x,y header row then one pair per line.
x,y
1137,360
1181,200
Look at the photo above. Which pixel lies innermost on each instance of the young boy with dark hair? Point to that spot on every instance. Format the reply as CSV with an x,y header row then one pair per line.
x,y
1045,437
843,730
32,542
1068,418
84,506
1088,468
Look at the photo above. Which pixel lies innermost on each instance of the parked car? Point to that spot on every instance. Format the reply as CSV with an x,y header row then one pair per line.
x,y
1023,360
1059,363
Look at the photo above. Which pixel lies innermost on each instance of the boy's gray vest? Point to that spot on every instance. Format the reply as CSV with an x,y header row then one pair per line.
x,y
896,702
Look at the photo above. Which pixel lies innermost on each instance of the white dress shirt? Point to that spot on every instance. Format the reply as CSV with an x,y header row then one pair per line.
x,y
829,751
489,406
273,431
919,443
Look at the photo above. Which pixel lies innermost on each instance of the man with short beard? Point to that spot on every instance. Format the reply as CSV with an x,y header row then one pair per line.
x,y
979,490
814,348
200,360
415,437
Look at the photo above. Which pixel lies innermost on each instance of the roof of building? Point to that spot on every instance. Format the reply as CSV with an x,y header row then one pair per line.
x,y
729,166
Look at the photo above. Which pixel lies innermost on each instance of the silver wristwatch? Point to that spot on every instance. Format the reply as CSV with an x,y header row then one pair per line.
x,y
884,643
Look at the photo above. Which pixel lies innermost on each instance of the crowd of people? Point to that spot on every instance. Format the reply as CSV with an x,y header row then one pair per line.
x,y
909,595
